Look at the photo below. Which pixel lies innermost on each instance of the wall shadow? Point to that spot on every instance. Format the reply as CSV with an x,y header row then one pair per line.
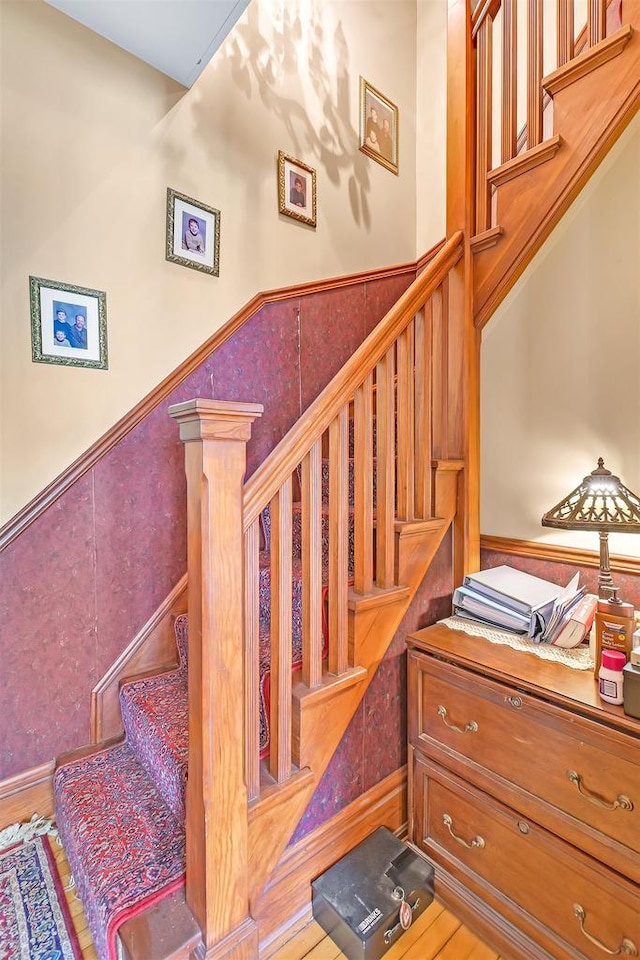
x,y
318,118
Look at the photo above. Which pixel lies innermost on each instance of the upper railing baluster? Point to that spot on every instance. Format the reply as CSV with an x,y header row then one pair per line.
x,y
565,32
597,21
510,79
484,124
535,27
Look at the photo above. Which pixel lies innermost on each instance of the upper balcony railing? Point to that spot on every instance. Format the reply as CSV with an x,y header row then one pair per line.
x,y
517,44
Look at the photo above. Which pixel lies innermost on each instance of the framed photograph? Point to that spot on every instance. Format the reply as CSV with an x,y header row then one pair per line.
x,y
378,127
68,324
193,233
296,189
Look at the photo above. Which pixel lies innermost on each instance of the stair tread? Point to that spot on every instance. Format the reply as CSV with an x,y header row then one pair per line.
x,y
155,713
125,846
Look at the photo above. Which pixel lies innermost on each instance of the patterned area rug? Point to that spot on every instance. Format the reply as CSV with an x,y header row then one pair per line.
x,y
35,923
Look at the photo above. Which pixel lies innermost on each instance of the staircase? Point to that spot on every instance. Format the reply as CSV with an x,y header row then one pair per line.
x,y
313,562
339,526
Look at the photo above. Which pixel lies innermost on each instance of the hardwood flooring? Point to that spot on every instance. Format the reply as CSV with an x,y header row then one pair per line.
x,y
436,935
75,906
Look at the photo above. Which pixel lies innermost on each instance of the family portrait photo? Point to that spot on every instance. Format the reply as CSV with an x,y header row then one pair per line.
x,y
68,324
193,233
296,189
378,127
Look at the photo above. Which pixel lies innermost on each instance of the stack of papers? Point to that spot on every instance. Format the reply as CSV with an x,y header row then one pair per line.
x,y
513,600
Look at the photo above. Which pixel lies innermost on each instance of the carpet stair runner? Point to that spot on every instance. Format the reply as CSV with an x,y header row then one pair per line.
x,y
121,811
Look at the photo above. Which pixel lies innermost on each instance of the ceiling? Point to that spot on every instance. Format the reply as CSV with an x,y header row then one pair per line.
x,y
177,37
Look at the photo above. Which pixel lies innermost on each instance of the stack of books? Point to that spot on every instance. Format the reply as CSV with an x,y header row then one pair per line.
x,y
539,609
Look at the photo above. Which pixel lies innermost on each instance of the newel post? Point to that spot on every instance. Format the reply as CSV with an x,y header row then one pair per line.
x,y
215,434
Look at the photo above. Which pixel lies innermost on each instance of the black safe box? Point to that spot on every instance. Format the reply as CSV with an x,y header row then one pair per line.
x,y
366,900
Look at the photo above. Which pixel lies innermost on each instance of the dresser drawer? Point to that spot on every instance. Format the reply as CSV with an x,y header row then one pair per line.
x,y
524,750
585,910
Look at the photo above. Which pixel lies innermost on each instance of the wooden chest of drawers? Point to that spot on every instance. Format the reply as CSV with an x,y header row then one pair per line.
x,y
525,792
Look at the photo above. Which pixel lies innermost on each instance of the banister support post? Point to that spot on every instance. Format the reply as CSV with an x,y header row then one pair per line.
x,y
463,347
215,434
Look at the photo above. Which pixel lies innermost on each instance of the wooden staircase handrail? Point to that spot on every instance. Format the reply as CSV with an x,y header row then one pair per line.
x,y
284,459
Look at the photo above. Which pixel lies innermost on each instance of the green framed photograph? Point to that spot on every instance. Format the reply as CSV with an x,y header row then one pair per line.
x,y
378,127
68,324
193,233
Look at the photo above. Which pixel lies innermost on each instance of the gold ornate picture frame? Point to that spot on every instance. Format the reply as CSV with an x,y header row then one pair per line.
x,y
193,233
378,126
296,189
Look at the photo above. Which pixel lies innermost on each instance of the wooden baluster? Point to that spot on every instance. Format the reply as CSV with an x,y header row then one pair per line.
x,y
363,487
281,613
215,436
385,472
565,32
534,73
509,80
312,566
252,657
596,21
484,123
439,374
338,543
405,509
423,412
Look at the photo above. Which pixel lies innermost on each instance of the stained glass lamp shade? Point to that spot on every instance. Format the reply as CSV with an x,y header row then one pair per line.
x,y
600,503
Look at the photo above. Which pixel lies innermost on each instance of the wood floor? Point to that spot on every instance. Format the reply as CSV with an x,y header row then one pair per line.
x,y
436,935
75,906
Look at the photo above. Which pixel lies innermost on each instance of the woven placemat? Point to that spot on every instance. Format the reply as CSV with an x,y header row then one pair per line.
x,y
579,658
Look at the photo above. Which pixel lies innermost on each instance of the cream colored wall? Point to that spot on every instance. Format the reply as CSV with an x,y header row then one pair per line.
x,y
561,363
92,138
431,132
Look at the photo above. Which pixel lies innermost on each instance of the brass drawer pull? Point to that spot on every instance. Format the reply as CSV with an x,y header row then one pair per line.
x,y
469,844
627,946
515,702
621,801
471,727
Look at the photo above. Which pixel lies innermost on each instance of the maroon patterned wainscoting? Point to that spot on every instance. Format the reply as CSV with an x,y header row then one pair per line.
x,y
81,580
375,743
629,585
